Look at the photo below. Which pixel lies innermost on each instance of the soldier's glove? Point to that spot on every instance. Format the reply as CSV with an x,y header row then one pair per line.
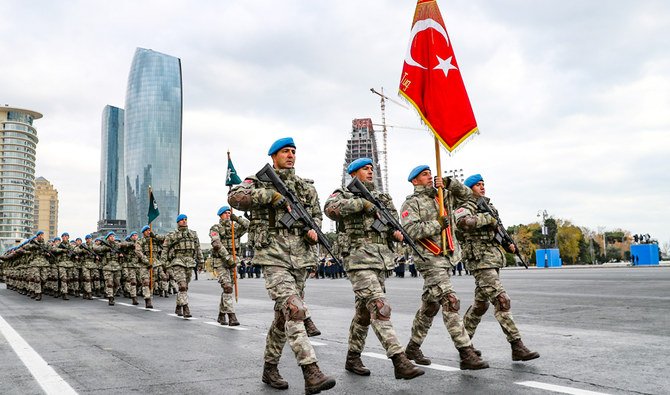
x,y
233,217
152,234
278,200
444,221
368,207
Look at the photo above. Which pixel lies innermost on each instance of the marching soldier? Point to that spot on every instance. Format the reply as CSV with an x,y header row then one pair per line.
x,y
89,267
222,242
159,275
182,248
367,256
422,221
111,268
39,265
130,267
484,257
286,255
64,263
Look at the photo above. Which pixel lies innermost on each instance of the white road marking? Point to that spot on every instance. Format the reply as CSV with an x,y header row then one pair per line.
x,y
125,304
46,377
235,328
433,366
181,318
558,388
144,308
315,343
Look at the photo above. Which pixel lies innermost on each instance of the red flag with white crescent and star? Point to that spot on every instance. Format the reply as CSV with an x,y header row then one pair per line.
x,y
431,79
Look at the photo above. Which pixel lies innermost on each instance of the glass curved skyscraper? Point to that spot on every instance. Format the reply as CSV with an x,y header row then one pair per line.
x,y
112,180
152,143
18,141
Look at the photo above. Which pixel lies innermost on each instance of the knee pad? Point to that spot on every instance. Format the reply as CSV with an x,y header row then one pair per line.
x,y
430,309
363,316
183,287
227,288
452,304
479,307
279,321
380,309
145,283
503,302
294,309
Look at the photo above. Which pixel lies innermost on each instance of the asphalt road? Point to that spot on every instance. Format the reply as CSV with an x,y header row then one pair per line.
x,y
604,330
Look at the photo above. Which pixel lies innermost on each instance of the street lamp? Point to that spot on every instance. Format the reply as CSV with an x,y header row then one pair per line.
x,y
545,232
455,174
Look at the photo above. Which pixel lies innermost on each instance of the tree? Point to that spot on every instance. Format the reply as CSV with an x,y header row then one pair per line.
x,y
569,237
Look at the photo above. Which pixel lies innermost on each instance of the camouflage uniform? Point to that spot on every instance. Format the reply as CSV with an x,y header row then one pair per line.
x,y
420,213
39,265
160,278
366,256
89,268
65,265
181,249
222,263
111,268
285,255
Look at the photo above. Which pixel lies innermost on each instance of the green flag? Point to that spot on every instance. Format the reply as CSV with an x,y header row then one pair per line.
x,y
153,208
231,174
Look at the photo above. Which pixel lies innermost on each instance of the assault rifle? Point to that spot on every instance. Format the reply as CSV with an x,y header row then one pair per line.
x,y
42,247
296,210
384,218
114,249
502,237
91,253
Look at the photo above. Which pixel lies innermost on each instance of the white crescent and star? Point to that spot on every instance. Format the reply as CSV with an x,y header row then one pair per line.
x,y
443,64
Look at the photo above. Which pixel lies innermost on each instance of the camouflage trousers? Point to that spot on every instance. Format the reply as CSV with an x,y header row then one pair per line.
x,y
225,279
160,278
112,281
182,276
89,279
489,289
63,273
438,292
73,276
130,276
37,276
145,279
287,288
372,308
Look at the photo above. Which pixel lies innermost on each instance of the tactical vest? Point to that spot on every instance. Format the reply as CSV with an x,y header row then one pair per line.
x,y
480,249
185,243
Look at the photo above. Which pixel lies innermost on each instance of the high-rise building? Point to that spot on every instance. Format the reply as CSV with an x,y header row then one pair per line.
x,y
362,144
18,141
152,138
46,208
112,175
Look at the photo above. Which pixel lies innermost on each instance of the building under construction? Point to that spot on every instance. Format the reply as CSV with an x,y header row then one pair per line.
x,y
362,144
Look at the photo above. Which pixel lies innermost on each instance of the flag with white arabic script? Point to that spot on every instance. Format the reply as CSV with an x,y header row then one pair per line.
x,y
431,79
231,174
153,208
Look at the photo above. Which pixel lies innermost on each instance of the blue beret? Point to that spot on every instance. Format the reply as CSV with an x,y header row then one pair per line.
x,y
132,233
88,237
472,180
39,232
65,234
181,217
56,238
110,234
357,164
98,239
78,238
145,228
279,144
416,171
223,210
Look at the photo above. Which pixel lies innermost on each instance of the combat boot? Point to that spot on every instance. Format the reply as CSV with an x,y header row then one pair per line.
x,y
32,294
187,311
177,311
38,297
272,377
521,353
355,365
135,302
148,304
111,301
404,368
479,353
413,352
233,319
222,319
315,380
310,328
65,297
470,360
165,295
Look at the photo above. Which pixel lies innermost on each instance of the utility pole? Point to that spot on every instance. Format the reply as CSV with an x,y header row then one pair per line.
x,y
384,132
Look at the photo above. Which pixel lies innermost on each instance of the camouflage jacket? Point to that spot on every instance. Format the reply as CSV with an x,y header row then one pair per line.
x,y
419,215
221,236
143,250
360,246
110,258
64,253
476,235
39,253
273,244
181,248
88,257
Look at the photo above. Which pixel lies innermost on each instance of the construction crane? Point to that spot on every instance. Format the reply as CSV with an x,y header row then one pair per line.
x,y
384,131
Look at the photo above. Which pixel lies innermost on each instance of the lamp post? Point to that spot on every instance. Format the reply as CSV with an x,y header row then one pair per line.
x,y
545,232
455,174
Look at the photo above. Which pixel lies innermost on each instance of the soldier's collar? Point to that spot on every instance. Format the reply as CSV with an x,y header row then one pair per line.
x,y
426,190
285,173
370,185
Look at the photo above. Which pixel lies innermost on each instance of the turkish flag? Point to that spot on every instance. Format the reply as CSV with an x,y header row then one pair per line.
x,y
431,79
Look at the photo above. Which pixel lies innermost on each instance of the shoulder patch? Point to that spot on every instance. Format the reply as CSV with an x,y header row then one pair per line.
x,y
459,210
213,234
248,181
404,213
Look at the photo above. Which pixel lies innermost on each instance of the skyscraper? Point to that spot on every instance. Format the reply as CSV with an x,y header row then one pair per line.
x,y
18,140
362,144
152,139
112,176
46,208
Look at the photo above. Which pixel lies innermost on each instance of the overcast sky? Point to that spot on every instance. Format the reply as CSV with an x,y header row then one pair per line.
x,y
572,98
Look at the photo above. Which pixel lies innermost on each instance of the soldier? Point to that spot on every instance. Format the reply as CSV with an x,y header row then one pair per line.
x,y
483,258
111,268
64,263
182,248
285,255
39,265
222,242
130,267
367,256
89,266
143,249
422,221
75,274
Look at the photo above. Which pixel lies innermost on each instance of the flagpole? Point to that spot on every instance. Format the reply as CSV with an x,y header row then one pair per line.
x,y
440,193
151,254
232,232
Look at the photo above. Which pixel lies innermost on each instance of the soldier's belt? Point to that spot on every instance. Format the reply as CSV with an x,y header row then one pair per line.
x,y
183,254
286,232
370,237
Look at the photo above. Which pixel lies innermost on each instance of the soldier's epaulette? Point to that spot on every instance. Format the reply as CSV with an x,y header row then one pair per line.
x,y
307,180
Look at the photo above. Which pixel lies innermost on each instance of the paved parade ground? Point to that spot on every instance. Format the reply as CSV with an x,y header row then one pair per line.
x,y
598,330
